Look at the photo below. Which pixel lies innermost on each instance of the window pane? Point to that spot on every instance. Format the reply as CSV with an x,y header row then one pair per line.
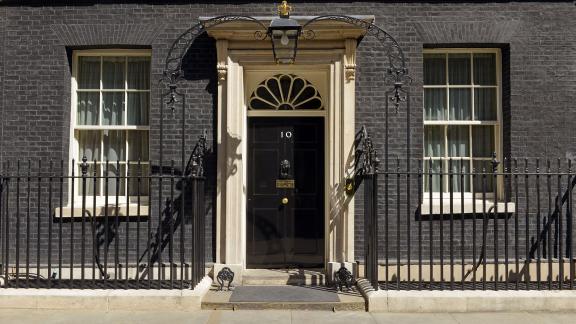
x,y
458,141
113,108
483,139
136,170
435,104
483,182
114,145
138,73
485,69
138,108
485,104
460,104
430,176
113,72
459,168
138,145
459,68
89,144
434,69
90,180
114,174
88,109
89,72
433,141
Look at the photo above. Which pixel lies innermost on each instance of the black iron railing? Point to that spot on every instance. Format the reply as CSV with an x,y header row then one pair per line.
x,y
506,226
101,228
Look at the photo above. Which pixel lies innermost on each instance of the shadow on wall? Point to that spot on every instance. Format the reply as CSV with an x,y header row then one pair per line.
x,y
199,64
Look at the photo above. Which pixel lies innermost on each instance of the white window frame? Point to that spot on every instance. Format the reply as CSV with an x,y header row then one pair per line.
x,y
498,141
74,147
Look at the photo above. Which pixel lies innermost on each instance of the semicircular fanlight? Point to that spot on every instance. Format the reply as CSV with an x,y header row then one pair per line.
x,y
285,92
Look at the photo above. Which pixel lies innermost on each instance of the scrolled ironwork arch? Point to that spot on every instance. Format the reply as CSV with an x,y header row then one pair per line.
x,y
173,73
393,50
396,58
179,48
397,73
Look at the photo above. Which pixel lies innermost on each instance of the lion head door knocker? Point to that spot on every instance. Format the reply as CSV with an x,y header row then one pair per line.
x,y
284,169
225,277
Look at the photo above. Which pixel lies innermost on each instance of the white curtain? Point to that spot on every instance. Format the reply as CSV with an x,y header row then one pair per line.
x,y
485,104
138,151
134,170
430,175
434,141
113,108
483,139
459,69
90,181
459,170
138,145
89,141
138,108
434,69
139,73
88,104
112,172
485,69
458,141
89,72
115,150
113,72
460,104
138,79
435,104
88,108
114,145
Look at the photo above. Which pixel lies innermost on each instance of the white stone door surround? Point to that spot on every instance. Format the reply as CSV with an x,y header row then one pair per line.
x,y
328,61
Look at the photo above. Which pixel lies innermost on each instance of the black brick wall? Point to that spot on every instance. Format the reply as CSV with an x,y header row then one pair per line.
x,y
2,47
538,41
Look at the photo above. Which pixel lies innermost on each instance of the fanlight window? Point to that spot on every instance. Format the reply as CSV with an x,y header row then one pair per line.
x,y
285,92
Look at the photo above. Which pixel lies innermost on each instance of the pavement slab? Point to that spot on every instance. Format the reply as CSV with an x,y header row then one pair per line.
x,y
249,316
508,318
332,317
18,316
404,318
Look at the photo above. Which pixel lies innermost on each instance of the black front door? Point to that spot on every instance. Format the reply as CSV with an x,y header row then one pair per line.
x,y
285,217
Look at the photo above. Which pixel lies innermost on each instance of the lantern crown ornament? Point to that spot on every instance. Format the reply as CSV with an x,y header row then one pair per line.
x,y
284,10
284,32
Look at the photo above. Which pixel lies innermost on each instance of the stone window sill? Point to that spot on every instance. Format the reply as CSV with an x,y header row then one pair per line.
x,y
124,210
468,207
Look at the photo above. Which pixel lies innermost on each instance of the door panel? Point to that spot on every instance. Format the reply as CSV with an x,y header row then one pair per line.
x,y
263,181
292,234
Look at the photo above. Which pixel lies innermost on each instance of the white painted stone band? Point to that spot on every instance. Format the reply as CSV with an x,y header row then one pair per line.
x,y
106,300
470,301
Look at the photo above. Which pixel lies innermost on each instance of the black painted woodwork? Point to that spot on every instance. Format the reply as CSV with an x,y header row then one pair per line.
x,y
291,235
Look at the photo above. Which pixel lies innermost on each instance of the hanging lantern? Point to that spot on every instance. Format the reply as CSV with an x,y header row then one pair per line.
x,y
284,33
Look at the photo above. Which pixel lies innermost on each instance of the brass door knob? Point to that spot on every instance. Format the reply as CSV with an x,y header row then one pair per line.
x,y
284,201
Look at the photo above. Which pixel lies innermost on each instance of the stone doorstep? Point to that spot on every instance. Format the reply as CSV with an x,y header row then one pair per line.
x,y
105,300
269,277
220,300
336,306
466,301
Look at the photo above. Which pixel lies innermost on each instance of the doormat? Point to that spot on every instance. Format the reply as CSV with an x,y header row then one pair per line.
x,y
301,294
